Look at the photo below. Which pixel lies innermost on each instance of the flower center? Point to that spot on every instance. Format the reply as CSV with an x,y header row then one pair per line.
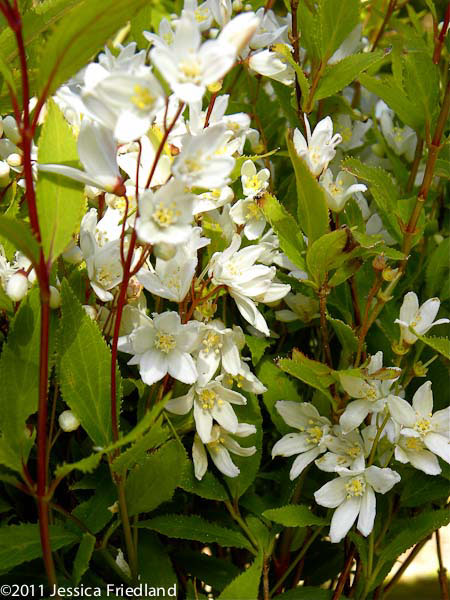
x,y
165,342
315,434
413,443
253,182
355,487
142,98
253,211
422,426
208,398
211,342
190,68
354,451
106,277
165,215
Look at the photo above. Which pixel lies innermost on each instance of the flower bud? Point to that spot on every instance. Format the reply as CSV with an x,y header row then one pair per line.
x,y
55,297
10,129
419,369
389,274
379,263
4,173
17,286
73,255
164,251
400,348
68,421
14,160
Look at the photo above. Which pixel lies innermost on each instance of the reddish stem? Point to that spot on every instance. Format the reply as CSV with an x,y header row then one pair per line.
x,y
440,40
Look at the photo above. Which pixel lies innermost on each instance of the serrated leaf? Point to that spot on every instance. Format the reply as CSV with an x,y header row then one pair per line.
x,y
85,363
311,372
421,489
257,347
383,190
415,529
83,557
437,271
155,566
312,203
138,452
325,254
216,572
337,19
192,527
346,336
294,515
440,344
246,585
95,512
20,235
208,487
60,202
161,473
79,35
85,465
337,76
22,543
287,229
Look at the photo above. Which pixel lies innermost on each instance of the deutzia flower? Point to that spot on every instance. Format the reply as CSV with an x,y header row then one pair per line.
x,y
213,199
219,446
401,139
339,190
247,213
190,66
246,281
165,215
319,147
345,451
97,151
352,133
253,182
302,307
163,345
353,495
245,379
211,402
426,433
273,65
372,394
219,344
310,443
420,320
202,162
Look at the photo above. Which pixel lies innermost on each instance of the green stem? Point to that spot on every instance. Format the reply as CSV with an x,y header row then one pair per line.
x,y
242,524
131,550
377,439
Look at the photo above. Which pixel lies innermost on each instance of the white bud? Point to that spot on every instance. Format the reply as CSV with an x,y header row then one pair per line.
x,y
17,286
55,297
68,421
72,255
164,251
10,129
90,311
237,5
4,173
14,160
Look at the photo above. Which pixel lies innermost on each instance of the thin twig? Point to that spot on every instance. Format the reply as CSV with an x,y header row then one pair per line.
x,y
442,570
408,560
387,16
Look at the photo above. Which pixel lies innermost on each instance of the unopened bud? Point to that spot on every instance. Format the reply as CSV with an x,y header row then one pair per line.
x,y
73,255
379,263
4,173
389,274
10,129
419,369
68,421
134,288
17,286
400,348
237,5
215,87
90,311
55,297
378,150
164,251
14,160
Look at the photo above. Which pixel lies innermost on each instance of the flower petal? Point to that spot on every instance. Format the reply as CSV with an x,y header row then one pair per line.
x,y
423,400
290,444
382,480
343,518
332,494
302,461
199,458
181,366
153,366
438,444
367,512
354,415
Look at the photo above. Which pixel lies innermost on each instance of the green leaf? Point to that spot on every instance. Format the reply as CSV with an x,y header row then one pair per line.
x,y
161,473
246,585
138,452
345,334
279,387
19,382
85,465
442,168
326,254
83,557
216,572
284,50
192,527
421,489
414,530
257,347
85,363
421,83
312,202
21,543
337,19
311,372
294,515
306,592
155,566
383,190
79,35
20,235
60,203
287,229
209,487
441,345
337,76
437,271
95,512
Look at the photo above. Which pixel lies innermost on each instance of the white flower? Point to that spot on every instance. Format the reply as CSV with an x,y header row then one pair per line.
x,y
352,133
245,379
97,151
163,345
246,281
253,182
353,495
401,139
165,215
204,161
213,199
270,29
340,190
302,307
239,31
425,433
211,402
202,14
319,147
372,394
247,213
68,421
312,439
345,451
190,66
219,446
419,320
273,65
219,344
349,46
17,286
128,162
